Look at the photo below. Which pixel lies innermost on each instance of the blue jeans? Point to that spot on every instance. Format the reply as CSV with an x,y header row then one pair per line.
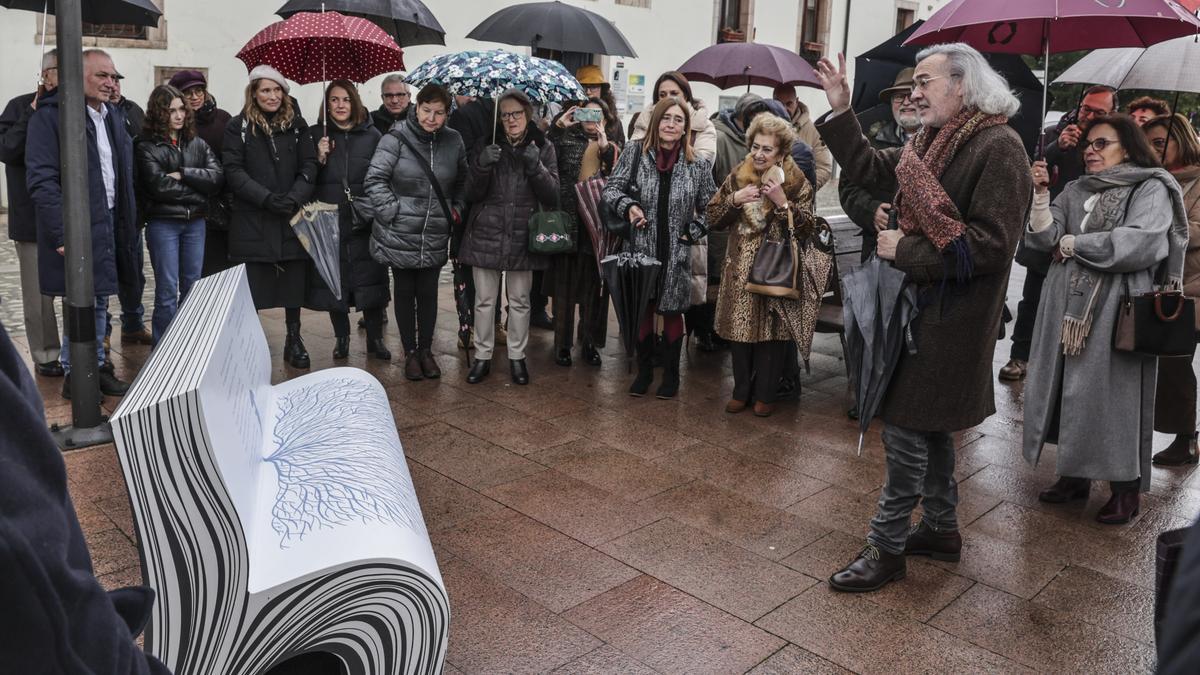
x,y
130,295
177,255
101,326
920,468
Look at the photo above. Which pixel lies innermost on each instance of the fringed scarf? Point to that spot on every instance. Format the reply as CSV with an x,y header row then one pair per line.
x,y
919,172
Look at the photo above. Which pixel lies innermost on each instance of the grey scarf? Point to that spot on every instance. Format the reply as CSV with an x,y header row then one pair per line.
x,y
1114,188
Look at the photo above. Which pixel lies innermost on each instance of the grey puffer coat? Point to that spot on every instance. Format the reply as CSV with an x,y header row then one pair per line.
x,y
410,230
502,200
691,187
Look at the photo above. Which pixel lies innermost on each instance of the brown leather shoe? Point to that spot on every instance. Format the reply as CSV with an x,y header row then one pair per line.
x,y
873,569
1066,489
429,367
412,366
1121,508
735,406
763,409
138,337
1014,370
924,540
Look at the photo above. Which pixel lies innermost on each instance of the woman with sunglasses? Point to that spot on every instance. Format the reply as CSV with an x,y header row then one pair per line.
x,y
1110,233
1175,401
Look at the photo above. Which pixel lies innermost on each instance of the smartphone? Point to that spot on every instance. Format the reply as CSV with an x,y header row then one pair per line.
x,y
587,115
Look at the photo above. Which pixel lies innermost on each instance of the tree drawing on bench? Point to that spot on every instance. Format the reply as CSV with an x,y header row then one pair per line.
x,y
272,520
336,455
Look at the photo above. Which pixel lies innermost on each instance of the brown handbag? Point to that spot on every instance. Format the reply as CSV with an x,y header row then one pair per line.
x,y
776,268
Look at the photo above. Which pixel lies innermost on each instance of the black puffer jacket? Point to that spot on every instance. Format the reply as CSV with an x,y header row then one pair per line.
x,y
411,231
163,197
364,281
502,199
258,165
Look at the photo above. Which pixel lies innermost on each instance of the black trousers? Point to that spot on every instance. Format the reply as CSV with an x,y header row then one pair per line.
x,y
1175,398
1027,309
415,295
757,367
372,317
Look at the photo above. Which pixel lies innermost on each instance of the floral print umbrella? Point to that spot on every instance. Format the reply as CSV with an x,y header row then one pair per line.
x,y
487,74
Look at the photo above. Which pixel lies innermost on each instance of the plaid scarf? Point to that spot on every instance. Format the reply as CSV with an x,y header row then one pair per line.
x,y
922,163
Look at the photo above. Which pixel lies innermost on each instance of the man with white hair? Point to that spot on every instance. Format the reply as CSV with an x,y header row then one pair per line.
x,y
964,190
396,97
41,324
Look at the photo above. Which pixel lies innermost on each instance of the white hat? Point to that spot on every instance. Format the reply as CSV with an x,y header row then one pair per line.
x,y
265,72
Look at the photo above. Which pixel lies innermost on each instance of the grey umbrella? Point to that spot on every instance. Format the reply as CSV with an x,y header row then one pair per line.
x,y
316,226
408,21
553,25
878,308
1166,66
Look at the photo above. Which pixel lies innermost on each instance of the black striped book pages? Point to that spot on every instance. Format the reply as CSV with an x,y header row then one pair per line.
x,y
272,521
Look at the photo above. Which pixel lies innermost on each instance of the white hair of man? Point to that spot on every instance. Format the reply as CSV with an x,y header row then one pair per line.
x,y
392,79
983,87
50,59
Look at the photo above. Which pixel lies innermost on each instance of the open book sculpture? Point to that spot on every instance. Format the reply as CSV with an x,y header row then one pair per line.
x,y
272,521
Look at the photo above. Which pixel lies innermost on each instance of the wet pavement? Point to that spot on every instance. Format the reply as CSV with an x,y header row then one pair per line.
x,y
581,530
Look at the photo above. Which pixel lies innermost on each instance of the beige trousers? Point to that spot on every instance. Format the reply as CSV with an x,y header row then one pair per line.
x,y
517,284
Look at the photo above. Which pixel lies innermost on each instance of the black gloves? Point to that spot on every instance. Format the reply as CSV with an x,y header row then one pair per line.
x,y
529,158
489,156
281,205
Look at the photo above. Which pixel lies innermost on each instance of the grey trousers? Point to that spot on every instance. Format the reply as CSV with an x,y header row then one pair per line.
x,y
920,468
41,324
487,285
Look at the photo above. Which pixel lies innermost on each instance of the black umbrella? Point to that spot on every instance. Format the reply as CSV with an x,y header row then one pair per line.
x,y
555,26
878,308
876,70
136,12
632,280
408,21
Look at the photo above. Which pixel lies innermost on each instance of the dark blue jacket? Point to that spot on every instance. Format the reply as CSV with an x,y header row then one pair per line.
x,y
22,224
57,618
112,242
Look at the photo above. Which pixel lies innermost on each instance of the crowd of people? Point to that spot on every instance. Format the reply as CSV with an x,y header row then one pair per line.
x,y
943,189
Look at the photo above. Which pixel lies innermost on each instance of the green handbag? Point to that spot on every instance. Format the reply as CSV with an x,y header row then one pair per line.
x,y
551,232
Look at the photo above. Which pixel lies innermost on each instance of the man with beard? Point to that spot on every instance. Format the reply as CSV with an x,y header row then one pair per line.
x,y
1064,160
210,126
396,97
869,206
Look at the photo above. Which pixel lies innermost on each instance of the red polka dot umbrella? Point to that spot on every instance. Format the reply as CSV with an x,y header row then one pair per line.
x,y
315,47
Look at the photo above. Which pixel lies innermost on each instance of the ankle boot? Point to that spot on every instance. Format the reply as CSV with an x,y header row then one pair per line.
x,y
294,352
670,381
341,347
645,364
1121,508
1181,451
376,349
1066,489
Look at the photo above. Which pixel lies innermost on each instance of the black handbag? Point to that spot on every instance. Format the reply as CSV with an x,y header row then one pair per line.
x,y
614,220
1156,323
775,271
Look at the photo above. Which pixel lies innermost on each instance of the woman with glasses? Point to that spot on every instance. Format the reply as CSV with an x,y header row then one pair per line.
x,y
1110,233
1175,401
506,183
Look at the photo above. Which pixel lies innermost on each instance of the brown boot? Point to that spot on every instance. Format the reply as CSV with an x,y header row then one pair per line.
x,y
1013,371
412,366
429,367
1121,508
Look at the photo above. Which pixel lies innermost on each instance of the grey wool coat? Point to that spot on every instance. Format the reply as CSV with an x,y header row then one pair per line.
x,y
691,187
410,229
1105,423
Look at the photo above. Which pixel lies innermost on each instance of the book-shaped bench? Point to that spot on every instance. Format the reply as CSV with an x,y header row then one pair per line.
x,y
272,521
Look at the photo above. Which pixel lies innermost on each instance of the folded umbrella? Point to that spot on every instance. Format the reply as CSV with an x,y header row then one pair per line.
x,y
408,21
315,47
316,226
735,64
604,243
632,280
555,26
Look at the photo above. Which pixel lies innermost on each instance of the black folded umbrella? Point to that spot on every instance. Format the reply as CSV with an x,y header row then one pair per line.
x,y
632,280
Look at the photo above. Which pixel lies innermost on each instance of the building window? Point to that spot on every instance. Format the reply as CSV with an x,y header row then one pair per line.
x,y
814,17
906,14
113,35
734,20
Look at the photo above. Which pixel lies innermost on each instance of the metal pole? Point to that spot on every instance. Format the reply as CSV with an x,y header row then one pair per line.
x,y
79,307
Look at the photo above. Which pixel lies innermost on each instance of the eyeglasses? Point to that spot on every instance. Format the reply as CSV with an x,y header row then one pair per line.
x,y
194,92
922,83
902,96
514,115
403,94
1094,112
1099,144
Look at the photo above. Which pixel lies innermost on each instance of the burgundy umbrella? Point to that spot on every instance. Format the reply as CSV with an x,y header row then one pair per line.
x,y
734,64
315,47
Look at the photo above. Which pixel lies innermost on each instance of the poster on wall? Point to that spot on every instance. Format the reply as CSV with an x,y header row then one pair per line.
x,y
620,90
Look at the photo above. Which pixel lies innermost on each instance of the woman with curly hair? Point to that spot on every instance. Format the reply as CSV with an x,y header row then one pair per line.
x,y
177,174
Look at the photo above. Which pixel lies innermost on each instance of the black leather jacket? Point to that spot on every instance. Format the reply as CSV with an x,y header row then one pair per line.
x,y
161,196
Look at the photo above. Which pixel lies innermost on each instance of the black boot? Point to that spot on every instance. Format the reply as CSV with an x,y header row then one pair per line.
x,y
376,349
341,347
1181,451
479,371
670,381
294,352
645,364
873,569
1066,489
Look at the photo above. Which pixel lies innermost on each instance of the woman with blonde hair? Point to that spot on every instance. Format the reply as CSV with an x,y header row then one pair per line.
x,y
666,219
271,171
765,197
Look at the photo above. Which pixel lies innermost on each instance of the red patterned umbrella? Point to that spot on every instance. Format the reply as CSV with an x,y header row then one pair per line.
x,y
314,47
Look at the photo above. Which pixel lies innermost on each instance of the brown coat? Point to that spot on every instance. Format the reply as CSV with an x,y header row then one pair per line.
x,y
743,316
947,385
1189,180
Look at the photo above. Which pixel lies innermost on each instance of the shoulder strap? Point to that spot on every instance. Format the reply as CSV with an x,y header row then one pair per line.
x,y
437,187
